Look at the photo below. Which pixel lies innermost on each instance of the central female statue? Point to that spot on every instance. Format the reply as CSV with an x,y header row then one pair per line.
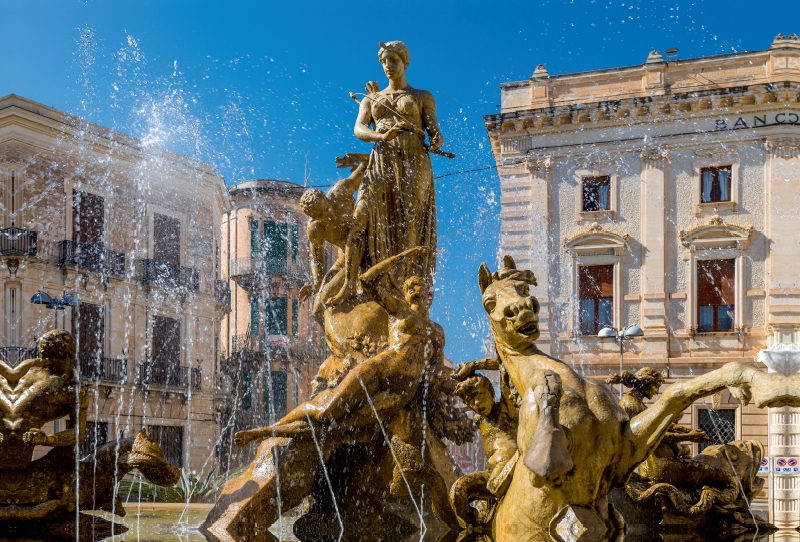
x,y
396,206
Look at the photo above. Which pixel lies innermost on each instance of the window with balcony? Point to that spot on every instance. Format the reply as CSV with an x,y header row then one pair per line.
x,y
170,438
247,390
295,241
596,193
276,316
275,391
88,219
719,425
88,328
715,295
715,184
166,239
166,341
596,297
276,240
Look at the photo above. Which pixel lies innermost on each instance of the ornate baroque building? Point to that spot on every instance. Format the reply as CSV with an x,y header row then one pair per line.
x,y
663,195
275,346
127,236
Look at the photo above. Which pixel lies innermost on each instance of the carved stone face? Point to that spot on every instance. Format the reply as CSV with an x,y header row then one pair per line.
x,y
481,401
513,313
418,292
392,64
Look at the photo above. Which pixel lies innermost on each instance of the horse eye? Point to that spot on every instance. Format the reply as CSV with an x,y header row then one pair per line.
x,y
489,305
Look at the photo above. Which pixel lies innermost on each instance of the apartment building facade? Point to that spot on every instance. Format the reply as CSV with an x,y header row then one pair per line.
x,y
123,239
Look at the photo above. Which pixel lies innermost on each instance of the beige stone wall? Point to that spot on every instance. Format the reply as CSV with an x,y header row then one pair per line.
x,y
50,156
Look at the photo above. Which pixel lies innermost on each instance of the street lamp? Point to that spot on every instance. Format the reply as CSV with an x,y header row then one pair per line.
x,y
619,336
69,300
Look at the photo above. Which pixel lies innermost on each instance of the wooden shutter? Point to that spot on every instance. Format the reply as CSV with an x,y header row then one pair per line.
x,y
295,241
254,317
277,314
88,218
166,239
170,438
596,281
247,393
715,282
275,382
254,238
275,239
166,341
88,326
295,317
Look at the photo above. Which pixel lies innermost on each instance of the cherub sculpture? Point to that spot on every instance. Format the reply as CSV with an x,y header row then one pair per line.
x,y
497,422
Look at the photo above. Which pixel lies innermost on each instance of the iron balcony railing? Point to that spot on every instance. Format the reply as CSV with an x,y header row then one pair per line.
x,y
260,343
168,275
268,265
100,368
91,256
222,293
169,375
12,355
18,241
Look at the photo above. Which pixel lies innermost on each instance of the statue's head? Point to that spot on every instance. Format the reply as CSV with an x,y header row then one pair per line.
x,y
315,203
418,292
477,393
57,349
394,57
513,311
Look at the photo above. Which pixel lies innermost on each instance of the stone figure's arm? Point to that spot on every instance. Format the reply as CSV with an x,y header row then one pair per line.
x,y
467,369
369,278
316,243
744,381
429,120
344,189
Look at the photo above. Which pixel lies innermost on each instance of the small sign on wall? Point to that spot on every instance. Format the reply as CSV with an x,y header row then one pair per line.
x,y
787,465
763,468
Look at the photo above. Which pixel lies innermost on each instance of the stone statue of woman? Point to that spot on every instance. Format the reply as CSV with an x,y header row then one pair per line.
x,y
396,206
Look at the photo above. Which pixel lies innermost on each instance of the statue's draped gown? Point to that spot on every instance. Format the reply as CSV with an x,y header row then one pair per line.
x,y
398,188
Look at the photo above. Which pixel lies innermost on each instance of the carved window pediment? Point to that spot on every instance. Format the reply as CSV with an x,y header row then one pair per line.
x,y
716,234
596,240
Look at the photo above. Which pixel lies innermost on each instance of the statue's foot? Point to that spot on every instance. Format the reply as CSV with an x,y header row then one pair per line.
x,y
148,457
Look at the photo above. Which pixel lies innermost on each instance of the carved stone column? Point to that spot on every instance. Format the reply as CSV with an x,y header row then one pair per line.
x,y
784,438
654,268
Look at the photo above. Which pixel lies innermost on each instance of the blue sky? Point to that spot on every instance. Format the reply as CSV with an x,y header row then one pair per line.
x,y
259,89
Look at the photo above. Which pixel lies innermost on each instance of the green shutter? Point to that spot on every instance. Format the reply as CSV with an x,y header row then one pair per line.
x,y
295,242
295,318
277,310
276,238
247,396
277,397
254,238
254,316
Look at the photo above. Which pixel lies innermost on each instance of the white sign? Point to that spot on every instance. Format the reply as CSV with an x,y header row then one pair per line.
x,y
763,468
787,465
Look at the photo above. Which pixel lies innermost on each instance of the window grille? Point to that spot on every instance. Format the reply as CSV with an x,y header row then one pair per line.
x,y
719,425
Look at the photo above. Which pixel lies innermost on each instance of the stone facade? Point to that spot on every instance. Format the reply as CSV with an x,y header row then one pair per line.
x,y
654,135
132,232
275,346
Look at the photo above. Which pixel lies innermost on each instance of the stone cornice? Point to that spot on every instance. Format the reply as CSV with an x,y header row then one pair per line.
x,y
595,237
716,233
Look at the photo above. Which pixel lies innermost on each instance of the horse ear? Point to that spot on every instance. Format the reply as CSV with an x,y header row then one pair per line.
x,y
508,262
484,277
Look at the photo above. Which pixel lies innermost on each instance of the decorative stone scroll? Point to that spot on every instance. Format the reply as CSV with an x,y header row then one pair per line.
x,y
783,147
653,156
539,163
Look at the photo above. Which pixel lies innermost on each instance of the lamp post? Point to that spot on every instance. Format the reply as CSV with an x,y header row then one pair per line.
x,y
620,336
69,300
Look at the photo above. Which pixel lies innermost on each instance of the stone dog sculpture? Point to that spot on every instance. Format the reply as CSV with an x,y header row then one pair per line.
x,y
575,440
39,391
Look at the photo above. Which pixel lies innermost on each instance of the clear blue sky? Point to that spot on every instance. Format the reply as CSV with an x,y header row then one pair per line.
x,y
259,88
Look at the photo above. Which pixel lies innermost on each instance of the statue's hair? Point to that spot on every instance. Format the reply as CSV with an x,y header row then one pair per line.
x,y
469,387
62,343
311,197
645,378
397,47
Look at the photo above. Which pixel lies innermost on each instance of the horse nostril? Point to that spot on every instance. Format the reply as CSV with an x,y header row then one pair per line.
x,y
509,312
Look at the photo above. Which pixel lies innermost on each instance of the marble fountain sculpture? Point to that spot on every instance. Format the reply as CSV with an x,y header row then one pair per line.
x,y
368,447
